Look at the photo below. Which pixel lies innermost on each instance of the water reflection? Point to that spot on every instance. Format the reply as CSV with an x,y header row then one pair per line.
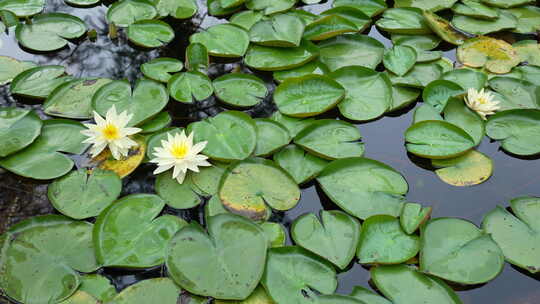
x,y
117,59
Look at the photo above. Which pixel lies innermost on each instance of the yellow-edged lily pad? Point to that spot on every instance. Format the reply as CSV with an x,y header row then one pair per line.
x,y
470,169
125,166
497,56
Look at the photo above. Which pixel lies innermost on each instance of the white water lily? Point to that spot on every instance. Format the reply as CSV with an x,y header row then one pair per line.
x,y
179,152
110,132
482,102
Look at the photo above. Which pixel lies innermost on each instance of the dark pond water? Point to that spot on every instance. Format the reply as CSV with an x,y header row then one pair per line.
x,y
21,198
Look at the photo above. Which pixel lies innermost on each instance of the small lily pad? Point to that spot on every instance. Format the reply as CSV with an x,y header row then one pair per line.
x,y
240,90
266,58
271,136
197,58
125,12
162,290
269,7
383,241
399,59
302,166
11,67
477,26
175,195
150,33
405,20
413,216
517,130
347,50
83,194
470,169
189,87
438,92
444,29
281,30
160,69
39,82
334,237
232,256
364,187
223,40
23,8
18,129
126,165
129,233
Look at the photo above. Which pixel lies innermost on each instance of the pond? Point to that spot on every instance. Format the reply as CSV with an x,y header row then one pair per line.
x,y
384,138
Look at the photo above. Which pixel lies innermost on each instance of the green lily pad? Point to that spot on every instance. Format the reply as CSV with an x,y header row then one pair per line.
x,y
407,20
437,139
368,7
246,19
383,241
160,69
427,56
467,256
444,29
230,3
399,59
73,99
157,123
334,237
352,14
528,73
413,216
39,82
426,112
467,78
403,97
364,187
150,33
98,287
368,296
240,90
271,136
266,58
403,284
475,9
312,67
259,296
517,130
126,165
528,51
438,92
125,12
223,40
515,93
43,158
162,290
11,67
477,26
420,76
294,275
231,255
146,100
82,3
129,233
197,57
329,26
368,93
470,169
331,139
506,3
281,30
528,18
275,234
8,18
269,7
231,135
208,178
215,8
175,195
189,87
427,5
418,42
457,113
23,8
49,32
517,234
18,129
213,207
302,166
81,194
307,17
179,9
37,263
80,297
249,186
293,124
308,96
347,50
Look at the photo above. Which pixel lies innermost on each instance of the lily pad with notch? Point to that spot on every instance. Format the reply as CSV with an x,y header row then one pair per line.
x,y
528,18
23,8
18,129
240,90
405,20
162,290
124,166
413,216
271,136
39,82
437,93
266,58
400,59
467,78
517,130
471,25
179,9
223,40
150,33
302,166
281,30
475,9
160,69
419,76
348,50
515,93
269,7
190,87
369,7
125,12
457,113
470,169
11,67
176,195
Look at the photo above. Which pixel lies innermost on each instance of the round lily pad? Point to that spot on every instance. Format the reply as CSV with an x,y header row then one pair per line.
x,y
497,56
383,241
197,57
18,129
249,186
269,7
125,12
308,96
413,216
49,32
305,277
347,50
39,82
231,135
467,256
515,93
400,59
467,78
223,40
73,99
240,90
334,237
281,30
405,20
437,139
98,287
11,67
160,69
129,233
266,58
271,136
331,139
179,9
146,100
444,29
162,290
35,255
43,158
302,166
478,26
150,33
517,234
457,113
438,92
364,187
231,255
83,194
368,93
404,284
472,168
188,87
23,8
517,130
178,196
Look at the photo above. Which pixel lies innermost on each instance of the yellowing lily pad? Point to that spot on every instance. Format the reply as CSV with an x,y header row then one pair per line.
x,y
444,29
497,56
125,166
470,169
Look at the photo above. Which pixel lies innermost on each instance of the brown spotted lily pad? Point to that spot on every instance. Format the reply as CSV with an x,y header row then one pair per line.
x,y
497,56
124,166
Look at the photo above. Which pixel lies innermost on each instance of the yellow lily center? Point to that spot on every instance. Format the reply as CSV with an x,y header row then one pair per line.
x,y
180,150
111,132
482,100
